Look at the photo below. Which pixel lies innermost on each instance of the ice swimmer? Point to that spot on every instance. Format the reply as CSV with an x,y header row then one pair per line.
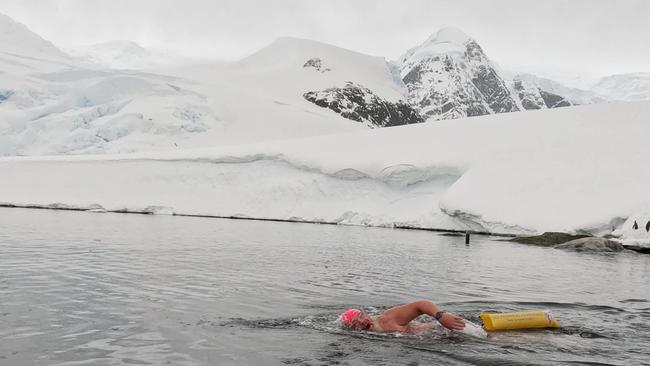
x,y
400,319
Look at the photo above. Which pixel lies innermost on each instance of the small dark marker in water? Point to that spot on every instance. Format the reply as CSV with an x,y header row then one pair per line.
x,y
467,237
635,226
647,226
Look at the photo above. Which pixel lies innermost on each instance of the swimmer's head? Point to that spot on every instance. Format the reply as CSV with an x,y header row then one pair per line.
x,y
355,319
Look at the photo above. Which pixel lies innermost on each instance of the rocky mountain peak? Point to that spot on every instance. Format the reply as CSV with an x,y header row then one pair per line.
x,y
449,76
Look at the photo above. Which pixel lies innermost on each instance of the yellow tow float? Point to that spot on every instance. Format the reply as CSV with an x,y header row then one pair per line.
x,y
537,319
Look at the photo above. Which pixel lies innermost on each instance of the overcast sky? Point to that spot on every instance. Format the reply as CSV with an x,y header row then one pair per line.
x,y
563,38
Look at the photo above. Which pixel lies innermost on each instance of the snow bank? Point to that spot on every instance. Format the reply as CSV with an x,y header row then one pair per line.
x,y
268,189
569,169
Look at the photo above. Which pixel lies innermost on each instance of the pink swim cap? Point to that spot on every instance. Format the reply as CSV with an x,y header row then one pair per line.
x,y
349,316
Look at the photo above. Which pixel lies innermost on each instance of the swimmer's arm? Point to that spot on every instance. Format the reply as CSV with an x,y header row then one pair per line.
x,y
405,313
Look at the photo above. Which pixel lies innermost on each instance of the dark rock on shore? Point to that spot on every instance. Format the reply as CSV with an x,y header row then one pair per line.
x,y
548,239
640,248
591,244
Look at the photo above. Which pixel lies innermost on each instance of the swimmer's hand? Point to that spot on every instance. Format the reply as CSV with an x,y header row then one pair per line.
x,y
452,321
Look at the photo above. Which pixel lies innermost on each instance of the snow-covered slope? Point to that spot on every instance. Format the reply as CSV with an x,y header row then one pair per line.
x,y
290,64
567,169
17,39
96,111
626,87
23,56
350,84
53,104
125,55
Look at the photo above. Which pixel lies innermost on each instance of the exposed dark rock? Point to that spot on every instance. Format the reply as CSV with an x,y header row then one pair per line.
x,y
530,98
548,239
638,247
360,104
553,100
592,244
436,87
533,97
453,85
317,64
489,83
459,80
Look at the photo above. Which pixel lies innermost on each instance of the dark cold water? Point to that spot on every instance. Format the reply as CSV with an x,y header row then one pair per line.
x,y
112,289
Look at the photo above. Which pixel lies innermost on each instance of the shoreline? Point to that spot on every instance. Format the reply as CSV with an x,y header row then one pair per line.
x,y
135,212
632,247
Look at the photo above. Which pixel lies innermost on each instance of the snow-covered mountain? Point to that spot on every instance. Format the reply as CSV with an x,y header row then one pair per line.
x,y
24,56
346,84
16,38
450,76
125,55
573,95
624,87
621,87
295,65
52,103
